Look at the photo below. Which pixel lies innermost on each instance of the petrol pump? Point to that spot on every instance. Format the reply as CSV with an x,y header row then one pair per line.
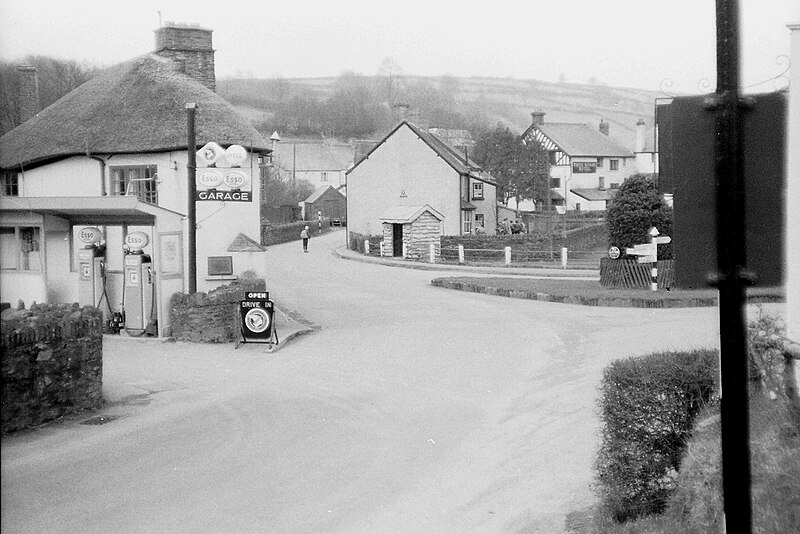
x,y
138,301
91,267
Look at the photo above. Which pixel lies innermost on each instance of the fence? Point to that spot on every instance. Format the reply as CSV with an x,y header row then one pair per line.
x,y
632,274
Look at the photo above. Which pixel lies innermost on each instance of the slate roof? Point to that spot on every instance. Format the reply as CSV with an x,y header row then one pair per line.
x,y
403,214
319,156
313,197
594,194
458,161
138,106
581,140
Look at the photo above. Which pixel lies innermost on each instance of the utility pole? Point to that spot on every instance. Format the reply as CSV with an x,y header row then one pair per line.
x,y
732,278
191,212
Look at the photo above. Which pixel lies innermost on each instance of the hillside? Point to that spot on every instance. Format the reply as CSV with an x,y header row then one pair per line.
x,y
477,100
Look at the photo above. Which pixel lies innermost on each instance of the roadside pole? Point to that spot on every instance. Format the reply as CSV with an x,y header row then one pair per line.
x,y
191,212
731,278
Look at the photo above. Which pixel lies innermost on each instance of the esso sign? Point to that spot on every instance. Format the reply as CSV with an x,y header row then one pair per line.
x,y
90,235
209,179
137,240
235,154
234,179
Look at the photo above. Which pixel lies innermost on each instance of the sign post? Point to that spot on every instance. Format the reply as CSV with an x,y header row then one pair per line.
x,y
648,253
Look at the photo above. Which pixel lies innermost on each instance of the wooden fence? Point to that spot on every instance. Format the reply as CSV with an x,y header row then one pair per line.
x,y
632,274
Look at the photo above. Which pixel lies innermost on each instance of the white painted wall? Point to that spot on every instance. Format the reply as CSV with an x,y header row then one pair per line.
x,y
403,163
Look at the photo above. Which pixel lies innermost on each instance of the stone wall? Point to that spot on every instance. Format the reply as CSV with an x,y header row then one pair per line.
x,y
211,317
423,232
52,363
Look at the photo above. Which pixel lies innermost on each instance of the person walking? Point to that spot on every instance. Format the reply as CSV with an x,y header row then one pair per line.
x,y
304,237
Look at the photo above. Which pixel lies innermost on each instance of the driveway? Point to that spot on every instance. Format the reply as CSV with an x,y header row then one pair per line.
x,y
411,409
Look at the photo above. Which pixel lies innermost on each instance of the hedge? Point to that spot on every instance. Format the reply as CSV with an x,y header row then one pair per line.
x,y
647,408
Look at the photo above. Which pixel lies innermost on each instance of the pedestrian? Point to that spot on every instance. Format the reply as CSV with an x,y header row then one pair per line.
x,y
304,237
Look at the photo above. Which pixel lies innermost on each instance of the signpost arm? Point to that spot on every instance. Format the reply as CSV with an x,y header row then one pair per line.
x,y
730,214
191,213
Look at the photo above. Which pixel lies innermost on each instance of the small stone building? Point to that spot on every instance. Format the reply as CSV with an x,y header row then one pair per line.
x,y
416,227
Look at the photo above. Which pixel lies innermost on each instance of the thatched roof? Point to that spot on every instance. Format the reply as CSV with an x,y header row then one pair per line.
x,y
135,107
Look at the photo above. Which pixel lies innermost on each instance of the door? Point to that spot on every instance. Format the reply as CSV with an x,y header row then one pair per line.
x,y
397,240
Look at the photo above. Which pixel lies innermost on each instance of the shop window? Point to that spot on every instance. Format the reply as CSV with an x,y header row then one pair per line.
x,y
477,190
21,246
139,181
10,184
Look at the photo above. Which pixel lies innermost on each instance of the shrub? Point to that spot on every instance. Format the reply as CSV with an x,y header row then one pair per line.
x,y
275,234
647,406
634,210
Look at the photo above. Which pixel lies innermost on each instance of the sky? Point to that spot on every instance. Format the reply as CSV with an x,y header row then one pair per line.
x,y
667,45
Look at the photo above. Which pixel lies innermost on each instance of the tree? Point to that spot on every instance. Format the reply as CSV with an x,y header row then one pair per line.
x,y
495,151
521,169
56,78
635,209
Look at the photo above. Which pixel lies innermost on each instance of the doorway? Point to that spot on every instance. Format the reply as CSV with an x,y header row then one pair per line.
x,y
397,240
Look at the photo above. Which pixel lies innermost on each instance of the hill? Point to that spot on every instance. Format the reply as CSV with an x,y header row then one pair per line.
x,y
454,101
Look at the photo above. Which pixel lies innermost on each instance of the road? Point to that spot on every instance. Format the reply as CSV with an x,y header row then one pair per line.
x,y
411,409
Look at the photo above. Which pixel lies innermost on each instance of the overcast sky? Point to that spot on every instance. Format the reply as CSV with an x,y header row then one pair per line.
x,y
630,43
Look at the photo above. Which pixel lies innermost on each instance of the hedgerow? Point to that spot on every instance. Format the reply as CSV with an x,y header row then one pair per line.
x,y
647,408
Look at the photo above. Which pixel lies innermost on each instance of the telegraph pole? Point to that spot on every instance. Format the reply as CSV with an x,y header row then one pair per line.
x,y
732,278
191,212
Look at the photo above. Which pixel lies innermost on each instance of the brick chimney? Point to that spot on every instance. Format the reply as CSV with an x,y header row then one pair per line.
x,y
190,46
640,137
537,117
603,127
28,96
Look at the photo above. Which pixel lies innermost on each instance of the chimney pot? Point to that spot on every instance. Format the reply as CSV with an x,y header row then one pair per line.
x,y
28,94
537,117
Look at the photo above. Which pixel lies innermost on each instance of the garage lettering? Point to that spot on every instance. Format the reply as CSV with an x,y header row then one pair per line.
x,y
227,196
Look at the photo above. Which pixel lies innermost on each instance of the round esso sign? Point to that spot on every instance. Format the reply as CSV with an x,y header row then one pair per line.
x,y
209,179
136,240
235,154
90,235
235,179
613,253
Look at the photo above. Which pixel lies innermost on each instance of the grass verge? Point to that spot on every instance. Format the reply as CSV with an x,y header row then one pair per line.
x,y
591,293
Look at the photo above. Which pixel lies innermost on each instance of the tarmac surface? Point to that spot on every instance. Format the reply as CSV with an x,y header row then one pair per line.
x,y
390,406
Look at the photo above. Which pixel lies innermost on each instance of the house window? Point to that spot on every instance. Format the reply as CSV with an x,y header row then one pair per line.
x,y
324,177
480,221
599,163
467,218
477,190
10,185
577,206
613,164
584,167
555,183
614,185
601,182
21,248
138,181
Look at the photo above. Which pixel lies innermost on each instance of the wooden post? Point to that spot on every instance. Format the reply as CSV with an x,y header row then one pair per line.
x,y
508,255
461,254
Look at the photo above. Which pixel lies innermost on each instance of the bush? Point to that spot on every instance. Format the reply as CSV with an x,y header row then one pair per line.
x,y
275,234
648,405
635,209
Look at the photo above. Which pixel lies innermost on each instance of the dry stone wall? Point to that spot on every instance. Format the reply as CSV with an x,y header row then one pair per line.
x,y
52,363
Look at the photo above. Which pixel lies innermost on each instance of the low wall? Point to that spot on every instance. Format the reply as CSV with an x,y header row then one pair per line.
x,y
211,317
52,363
